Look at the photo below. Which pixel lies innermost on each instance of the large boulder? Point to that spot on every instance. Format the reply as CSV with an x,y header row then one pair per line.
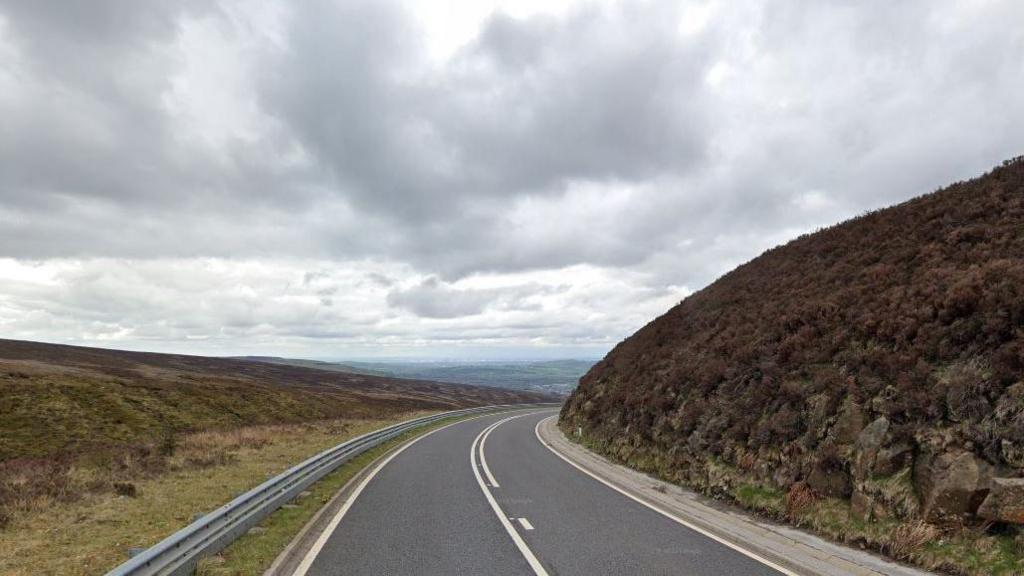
x,y
1012,453
866,448
1005,501
848,424
892,459
829,477
952,483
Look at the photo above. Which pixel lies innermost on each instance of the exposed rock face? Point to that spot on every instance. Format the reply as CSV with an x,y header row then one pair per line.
x,y
892,459
1005,502
869,442
849,424
829,480
951,483
1012,453
881,360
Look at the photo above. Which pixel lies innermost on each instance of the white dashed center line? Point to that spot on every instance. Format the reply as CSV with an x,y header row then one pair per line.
x,y
525,524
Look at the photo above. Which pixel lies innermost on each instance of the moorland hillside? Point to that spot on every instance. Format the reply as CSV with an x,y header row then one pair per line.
x,y
878,361
58,399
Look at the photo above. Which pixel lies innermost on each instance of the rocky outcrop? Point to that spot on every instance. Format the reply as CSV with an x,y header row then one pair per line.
x,y
869,443
891,459
873,462
951,483
829,479
849,423
1005,501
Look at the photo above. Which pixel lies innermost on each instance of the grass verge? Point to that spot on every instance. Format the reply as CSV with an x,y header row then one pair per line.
x,y
253,553
48,535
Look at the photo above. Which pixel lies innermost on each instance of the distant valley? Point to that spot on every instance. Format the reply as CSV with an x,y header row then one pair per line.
x,y
548,376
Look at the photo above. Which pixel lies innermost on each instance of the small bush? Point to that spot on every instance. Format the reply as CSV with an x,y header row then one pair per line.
x,y
168,443
910,538
30,484
125,489
210,459
799,500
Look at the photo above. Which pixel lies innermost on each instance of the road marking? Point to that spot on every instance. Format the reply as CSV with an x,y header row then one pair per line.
x,y
483,460
311,555
531,559
526,524
663,512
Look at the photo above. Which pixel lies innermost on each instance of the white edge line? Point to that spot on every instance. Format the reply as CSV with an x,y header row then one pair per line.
x,y
483,457
314,551
531,559
666,513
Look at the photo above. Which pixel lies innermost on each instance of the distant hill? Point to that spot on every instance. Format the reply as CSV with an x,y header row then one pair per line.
x,y
549,376
879,360
56,398
347,368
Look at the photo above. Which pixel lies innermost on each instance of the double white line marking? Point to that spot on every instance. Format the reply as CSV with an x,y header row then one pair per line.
x,y
480,440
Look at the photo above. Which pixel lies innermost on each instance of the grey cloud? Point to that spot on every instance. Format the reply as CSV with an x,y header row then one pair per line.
x,y
526,108
234,307
602,137
432,299
87,119
310,278
409,163
380,279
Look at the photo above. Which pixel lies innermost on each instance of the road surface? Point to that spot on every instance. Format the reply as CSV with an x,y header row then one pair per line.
x,y
434,509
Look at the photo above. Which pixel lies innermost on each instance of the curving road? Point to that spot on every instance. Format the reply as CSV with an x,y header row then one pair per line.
x,y
485,496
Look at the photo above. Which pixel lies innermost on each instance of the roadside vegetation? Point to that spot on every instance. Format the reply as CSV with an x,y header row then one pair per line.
x,y
871,373
253,553
967,549
105,450
71,400
85,518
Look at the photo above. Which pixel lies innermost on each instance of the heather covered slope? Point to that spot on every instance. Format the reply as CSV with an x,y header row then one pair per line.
x,y
879,360
68,399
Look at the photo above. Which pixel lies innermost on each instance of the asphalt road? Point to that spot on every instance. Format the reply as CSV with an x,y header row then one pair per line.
x,y
433,510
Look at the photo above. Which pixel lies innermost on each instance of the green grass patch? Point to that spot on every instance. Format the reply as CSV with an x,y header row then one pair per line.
x,y
999,555
762,498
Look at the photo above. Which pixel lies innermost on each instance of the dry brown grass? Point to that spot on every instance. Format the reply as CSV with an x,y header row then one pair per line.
x,y
31,486
800,500
253,437
908,540
78,517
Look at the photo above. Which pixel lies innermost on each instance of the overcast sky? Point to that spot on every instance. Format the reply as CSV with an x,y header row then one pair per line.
x,y
474,179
